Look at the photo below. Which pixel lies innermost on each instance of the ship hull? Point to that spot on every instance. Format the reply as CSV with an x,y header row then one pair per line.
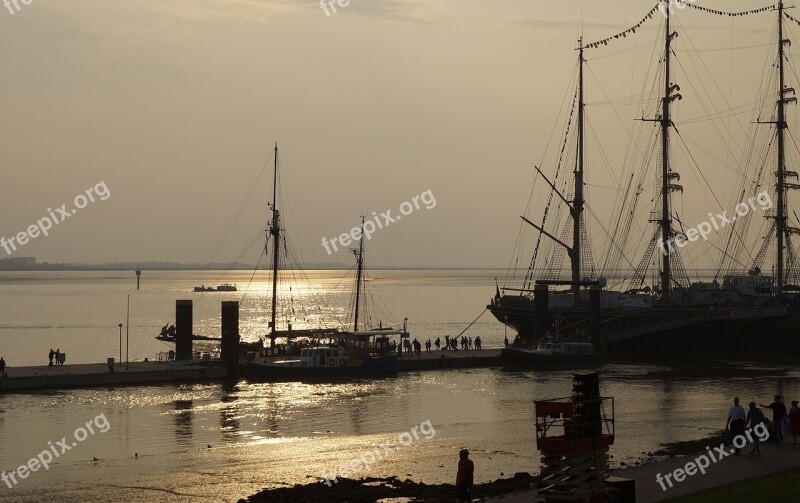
x,y
513,357
373,367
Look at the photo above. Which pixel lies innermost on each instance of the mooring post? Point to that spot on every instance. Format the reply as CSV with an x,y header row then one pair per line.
x,y
183,327
594,310
230,334
541,306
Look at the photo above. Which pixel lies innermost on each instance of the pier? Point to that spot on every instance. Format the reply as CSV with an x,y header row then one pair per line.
x,y
96,375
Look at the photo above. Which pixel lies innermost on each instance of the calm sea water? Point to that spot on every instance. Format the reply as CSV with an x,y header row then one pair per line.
x,y
221,442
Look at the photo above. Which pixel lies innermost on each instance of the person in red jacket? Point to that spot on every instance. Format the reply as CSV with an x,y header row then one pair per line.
x,y
466,468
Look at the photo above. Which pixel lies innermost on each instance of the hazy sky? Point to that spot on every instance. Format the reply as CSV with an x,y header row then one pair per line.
x,y
176,105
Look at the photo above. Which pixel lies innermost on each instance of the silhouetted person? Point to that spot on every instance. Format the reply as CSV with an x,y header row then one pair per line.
x,y
466,470
2,367
52,355
736,418
438,343
428,346
478,343
58,356
778,413
447,342
754,418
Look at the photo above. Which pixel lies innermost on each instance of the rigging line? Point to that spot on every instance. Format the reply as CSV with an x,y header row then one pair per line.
x,y
473,322
707,93
240,209
708,72
721,49
616,113
521,234
609,236
630,49
255,271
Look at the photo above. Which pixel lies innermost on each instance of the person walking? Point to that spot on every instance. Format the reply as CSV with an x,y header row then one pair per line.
x,y
2,367
58,356
778,413
794,422
447,343
754,418
464,477
438,343
735,422
478,343
52,355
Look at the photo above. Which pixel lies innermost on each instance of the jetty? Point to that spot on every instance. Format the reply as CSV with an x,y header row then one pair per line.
x,y
97,375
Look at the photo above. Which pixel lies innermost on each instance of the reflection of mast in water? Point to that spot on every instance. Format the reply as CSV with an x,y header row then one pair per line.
x,y
183,420
229,415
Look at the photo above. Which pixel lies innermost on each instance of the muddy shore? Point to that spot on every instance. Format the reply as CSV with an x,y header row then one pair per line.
x,y
370,490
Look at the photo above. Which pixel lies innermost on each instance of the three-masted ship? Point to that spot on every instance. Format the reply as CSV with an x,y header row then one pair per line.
x,y
653,308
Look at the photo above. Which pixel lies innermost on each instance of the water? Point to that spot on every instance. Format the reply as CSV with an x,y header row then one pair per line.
x,y
79,312
274,434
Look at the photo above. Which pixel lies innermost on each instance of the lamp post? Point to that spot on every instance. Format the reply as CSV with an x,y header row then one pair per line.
x,y
505,330
120,342
127,333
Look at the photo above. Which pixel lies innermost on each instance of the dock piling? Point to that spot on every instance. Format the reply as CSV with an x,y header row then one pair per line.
x,y
230,333
183,327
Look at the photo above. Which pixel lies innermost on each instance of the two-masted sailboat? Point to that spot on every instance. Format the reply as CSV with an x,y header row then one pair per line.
x,y
667,313
331,353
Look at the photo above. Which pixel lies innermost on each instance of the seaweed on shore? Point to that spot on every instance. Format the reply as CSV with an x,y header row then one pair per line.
x,y
371,489
689,447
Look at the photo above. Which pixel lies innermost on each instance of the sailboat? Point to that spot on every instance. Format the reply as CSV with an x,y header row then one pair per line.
x,y
669,314
331,353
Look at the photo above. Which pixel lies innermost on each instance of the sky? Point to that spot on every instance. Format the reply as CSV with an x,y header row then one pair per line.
x,y
174,106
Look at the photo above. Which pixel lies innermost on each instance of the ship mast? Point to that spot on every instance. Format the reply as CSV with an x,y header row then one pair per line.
x,y
780,216
275,232
577,204
665,222
360,262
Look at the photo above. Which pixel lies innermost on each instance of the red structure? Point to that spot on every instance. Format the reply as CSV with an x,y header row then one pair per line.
x,y
574,435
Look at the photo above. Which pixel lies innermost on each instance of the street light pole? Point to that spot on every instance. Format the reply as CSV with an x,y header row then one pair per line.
x,y
120,343
127,333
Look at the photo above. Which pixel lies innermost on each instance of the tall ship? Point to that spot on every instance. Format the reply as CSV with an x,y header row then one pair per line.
x,y
640,299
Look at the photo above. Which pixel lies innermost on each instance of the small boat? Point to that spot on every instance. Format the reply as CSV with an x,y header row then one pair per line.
x,y
227,287
549,353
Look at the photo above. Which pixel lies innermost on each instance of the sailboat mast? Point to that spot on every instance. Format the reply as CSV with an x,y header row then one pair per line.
x,y
578,202
359,273
666,219
275,232
780,217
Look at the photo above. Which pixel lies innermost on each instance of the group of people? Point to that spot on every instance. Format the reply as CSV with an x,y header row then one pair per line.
x,y
782,420
414,347
452,343
57,355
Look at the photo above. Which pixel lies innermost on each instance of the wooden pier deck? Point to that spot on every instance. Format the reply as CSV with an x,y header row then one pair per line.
x,y
94,375
98,375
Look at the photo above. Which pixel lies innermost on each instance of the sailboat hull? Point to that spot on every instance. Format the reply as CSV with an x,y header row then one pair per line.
x,y
273,372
